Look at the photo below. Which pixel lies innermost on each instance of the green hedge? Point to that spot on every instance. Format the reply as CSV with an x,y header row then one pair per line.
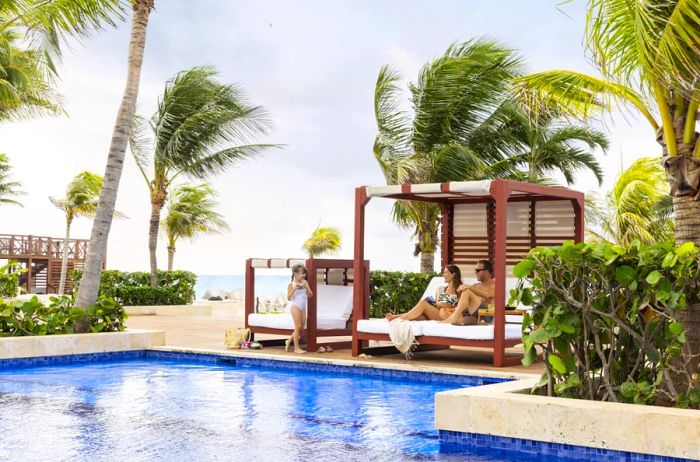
x,y
31,317
9,282
134,288
396,292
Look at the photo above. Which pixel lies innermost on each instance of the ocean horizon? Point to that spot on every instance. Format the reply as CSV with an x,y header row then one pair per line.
x,y
267,285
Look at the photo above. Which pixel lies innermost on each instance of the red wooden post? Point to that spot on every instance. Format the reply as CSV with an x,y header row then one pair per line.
x,y
358,286
312,276
249,290
445,257
579,218
500,193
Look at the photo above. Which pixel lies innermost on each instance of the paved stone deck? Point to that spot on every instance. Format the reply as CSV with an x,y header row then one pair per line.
x,y
207,333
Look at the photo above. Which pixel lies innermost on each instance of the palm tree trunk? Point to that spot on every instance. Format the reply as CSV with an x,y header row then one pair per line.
x,y
90,282
154,223
64,259
171,257
427,262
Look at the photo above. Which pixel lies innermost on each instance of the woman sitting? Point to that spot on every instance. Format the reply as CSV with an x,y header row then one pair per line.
x,y
440,307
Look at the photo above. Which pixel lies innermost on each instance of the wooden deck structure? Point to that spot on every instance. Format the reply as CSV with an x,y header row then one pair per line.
x,y
41,256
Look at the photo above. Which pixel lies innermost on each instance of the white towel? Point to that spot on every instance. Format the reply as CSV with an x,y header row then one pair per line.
x,y
402,337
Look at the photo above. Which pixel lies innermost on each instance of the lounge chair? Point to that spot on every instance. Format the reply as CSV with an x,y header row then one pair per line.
x,y
329,311
437,333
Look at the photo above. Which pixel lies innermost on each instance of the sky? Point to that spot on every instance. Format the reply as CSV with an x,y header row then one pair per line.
x,y
312,65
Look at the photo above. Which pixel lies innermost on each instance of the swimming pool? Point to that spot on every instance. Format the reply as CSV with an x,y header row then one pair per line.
x,y
159,406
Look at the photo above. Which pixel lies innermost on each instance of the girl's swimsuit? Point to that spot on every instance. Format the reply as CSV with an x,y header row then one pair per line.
x,y
299,299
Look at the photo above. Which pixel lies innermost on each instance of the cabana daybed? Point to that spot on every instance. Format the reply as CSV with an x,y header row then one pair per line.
x,y
499,220
328,312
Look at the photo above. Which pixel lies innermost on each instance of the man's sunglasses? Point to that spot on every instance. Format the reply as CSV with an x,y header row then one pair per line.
x,y
478,270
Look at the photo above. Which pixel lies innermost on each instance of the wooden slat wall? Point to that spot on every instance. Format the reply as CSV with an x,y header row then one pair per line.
x,y
553,224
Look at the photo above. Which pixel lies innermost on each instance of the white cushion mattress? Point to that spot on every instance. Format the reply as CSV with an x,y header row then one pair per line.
x,y
438,329
284,321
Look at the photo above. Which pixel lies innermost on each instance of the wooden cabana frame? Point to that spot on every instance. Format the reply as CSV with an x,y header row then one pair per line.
x,y
536,211
317,273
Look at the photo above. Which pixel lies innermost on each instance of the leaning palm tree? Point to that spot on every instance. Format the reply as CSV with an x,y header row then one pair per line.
x,y
323,240
102,223
201,128
637,208
452,134
544,142
81,199
191,213
648,55
9,189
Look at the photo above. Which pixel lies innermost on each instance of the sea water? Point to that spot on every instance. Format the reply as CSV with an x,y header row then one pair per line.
x,y
266,285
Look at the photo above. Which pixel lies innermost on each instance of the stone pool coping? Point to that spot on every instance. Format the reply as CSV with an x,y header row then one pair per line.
x,y
75,344
507,410
367,363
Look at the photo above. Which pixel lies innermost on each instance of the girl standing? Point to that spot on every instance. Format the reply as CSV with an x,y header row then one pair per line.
x,y
298,293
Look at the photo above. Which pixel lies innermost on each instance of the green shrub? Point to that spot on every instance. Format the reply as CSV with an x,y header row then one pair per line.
x,y
9,282
396,292
605,318
134,288
21,318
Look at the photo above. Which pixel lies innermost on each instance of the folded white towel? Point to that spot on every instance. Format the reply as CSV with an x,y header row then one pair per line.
x,y
402,336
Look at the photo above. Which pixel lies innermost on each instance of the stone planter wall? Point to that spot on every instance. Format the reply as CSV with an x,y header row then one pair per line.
x,y
57,345
507,410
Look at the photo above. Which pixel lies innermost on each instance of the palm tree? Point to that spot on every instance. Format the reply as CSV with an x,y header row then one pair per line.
x,y
81,200
200,129
637,208
31,32
90,281
543,142
190,213
648,56
453,131
8,189
323,240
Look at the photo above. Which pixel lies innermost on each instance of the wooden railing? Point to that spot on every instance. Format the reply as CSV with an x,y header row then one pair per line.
x,y
23,246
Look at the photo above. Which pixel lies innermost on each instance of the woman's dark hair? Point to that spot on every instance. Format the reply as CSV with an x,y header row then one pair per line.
x,y
298,267
457,279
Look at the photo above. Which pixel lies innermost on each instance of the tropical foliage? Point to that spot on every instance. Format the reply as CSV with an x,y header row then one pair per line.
x,y
9,189
395,291
605,317
637,208
465,126
648,56
31,32
191,212
9,279
81,199
323,240
201,128
31,317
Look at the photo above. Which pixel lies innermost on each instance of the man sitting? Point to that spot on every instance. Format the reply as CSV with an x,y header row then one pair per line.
x,y
474,296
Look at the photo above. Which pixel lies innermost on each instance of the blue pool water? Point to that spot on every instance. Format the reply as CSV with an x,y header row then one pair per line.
x,y
144,409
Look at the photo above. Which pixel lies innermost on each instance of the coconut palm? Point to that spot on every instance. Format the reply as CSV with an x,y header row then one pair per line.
x,y
648,56
452,134
191,213
81,199
637,208
9,189
102,223
31,32
323,240
201,128
544,142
